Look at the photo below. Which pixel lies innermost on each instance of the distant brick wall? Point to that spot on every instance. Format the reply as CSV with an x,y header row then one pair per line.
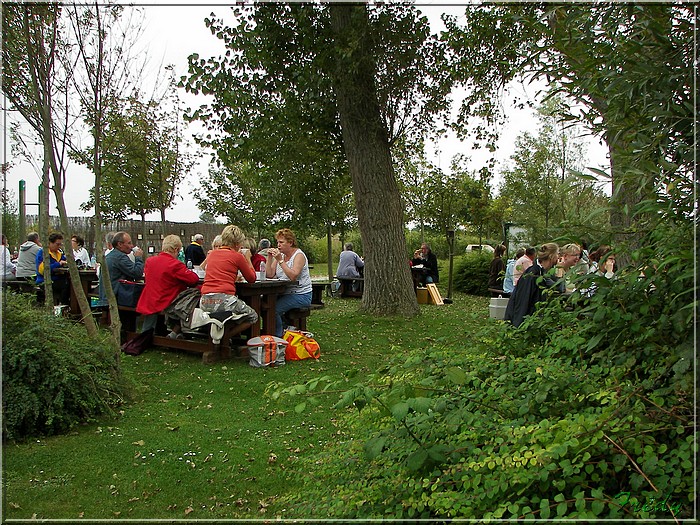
x,y
148,236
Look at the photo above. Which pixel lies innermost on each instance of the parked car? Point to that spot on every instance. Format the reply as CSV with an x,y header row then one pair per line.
x,y
479,248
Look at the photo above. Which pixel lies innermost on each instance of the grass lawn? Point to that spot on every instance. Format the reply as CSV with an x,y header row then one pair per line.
x,y
204,441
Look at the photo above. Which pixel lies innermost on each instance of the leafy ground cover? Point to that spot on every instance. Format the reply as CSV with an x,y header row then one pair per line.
x,y
209,442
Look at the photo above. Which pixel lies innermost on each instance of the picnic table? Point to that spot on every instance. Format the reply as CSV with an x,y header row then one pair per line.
x,y
88,277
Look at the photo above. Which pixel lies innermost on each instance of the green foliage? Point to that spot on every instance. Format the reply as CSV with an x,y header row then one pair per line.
x,y
584,412
53,375
471,273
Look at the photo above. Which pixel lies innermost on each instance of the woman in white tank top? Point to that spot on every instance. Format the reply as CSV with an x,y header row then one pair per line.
x,y
288,262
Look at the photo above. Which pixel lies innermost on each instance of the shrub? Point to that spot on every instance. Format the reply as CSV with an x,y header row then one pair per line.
x,y
471,274
53,375
584,412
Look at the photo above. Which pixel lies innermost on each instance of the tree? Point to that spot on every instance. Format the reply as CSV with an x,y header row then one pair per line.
x,y
388,285
598,55
108,71
544,184
277,104
37,75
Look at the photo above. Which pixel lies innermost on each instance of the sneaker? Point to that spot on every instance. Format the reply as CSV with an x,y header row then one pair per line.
x,y
175,335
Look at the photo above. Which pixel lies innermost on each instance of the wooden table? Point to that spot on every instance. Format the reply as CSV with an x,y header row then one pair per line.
x,y
88,276
261,296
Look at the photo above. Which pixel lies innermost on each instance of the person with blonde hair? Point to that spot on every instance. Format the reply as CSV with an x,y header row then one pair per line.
x,y
215,245
532,285
223,265
288,262
166,278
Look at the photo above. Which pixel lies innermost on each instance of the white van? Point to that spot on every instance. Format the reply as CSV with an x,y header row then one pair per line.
x,y
479,248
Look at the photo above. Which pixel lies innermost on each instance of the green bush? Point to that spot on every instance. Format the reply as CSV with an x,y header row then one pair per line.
x,y
471,273
584,412
53,375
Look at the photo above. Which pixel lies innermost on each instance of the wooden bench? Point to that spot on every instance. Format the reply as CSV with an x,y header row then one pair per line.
x,y
346,288
297,317
202,344
198,343
20,286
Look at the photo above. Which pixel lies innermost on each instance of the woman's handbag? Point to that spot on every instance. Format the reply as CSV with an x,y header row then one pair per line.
x,y
301,345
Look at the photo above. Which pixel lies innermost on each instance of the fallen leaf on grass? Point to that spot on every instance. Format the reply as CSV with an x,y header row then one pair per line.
x,y
14,505
188,510
140,442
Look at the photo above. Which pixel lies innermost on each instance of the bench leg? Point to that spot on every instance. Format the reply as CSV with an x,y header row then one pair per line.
x,y
217,352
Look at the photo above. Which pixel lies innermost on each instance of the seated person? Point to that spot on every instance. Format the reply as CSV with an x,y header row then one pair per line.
x,y
497,271
532,285
81,255
350,264
215,245
26,262
260,256
288,262
223,264
57,259
430,265
194,252
8,267
120,266
508,284
166,277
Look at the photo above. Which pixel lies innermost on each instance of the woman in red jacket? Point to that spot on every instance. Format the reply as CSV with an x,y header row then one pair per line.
x,y
166,277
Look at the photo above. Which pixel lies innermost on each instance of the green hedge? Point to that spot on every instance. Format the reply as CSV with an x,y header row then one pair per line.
x,y
53,375
471,273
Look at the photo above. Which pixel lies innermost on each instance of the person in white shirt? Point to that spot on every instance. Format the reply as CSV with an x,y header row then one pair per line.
x,y
82,257
288,262
8,267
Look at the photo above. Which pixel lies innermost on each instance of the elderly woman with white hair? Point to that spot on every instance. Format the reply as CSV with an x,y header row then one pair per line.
x,y
166,277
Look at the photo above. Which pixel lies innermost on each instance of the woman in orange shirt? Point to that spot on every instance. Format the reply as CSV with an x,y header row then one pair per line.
x,y
223,264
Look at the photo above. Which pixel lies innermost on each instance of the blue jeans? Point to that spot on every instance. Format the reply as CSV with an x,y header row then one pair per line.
x,y
286,303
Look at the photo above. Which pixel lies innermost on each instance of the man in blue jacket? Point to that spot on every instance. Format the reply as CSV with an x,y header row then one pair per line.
x,y
120,266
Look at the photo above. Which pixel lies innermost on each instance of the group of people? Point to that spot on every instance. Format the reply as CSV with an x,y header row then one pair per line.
x,y
528,276
230,259
31,260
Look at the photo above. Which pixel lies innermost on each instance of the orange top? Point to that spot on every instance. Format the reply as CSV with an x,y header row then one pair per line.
x,y
222,270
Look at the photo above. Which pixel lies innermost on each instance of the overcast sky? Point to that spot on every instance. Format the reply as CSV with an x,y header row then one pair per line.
x,y
171,34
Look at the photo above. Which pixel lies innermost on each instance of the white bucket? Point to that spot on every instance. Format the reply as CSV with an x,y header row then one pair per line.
x,y
497,307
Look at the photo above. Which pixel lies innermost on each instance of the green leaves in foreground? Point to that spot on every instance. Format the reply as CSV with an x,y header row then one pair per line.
x,y
543,423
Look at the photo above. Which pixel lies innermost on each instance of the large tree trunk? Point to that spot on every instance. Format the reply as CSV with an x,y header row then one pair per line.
x,y
388,285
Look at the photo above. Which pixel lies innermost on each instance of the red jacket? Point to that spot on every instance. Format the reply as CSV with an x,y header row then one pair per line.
x,y
222,269
166,277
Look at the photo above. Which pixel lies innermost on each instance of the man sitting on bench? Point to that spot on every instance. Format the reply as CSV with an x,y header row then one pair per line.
x,y
121,266
350,266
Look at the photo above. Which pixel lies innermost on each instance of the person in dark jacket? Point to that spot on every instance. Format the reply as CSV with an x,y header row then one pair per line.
x,y
497,271
430,264
121,266
194,252
531,286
